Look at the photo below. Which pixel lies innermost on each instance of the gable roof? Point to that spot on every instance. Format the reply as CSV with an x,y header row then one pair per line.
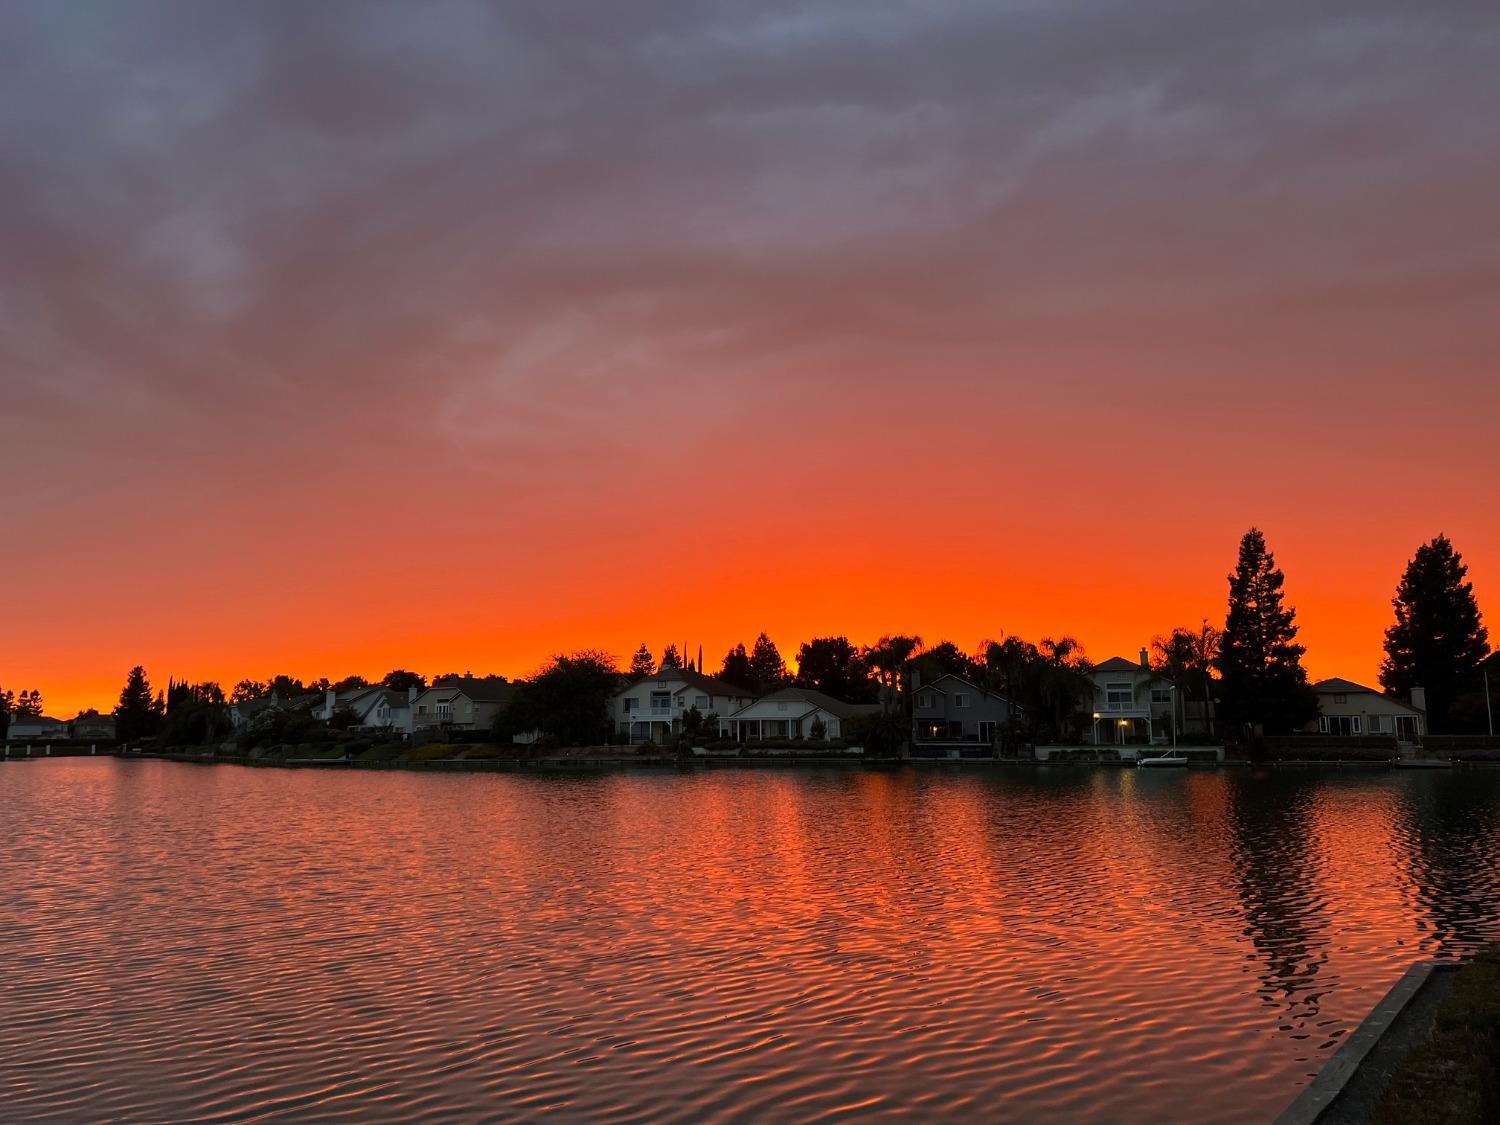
x,y
966,682
1336,685
706,684
816,700
1120,664
480,689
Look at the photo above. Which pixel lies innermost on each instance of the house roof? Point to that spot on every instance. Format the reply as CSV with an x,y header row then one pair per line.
x,y
816,700
1120,664
968,683
481,689
1336,685
706,684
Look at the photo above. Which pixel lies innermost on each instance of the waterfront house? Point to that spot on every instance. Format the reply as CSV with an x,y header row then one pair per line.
x,y
952,714
654,706
1132,705
373,707
793,712
1348,708
241,713
91,726
465,704
36,728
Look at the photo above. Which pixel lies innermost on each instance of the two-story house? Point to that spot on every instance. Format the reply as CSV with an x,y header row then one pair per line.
x,y
952,715
1132,705
654,706
463,704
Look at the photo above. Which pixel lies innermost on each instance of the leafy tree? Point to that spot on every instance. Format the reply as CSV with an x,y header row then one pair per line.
x,y
671,658
1264,683
767,666
7,706
943,658
399,679
28,705
568,701
834,666
247,691
137,715
320,685
737,670
194,714
286,687
642,664
350,683
1438,639
882,734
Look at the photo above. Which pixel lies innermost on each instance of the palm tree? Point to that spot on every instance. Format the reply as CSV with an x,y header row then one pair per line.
x,y
1185,658
889,657
1064,677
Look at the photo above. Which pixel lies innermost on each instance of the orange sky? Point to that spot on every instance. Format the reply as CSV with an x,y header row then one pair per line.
x,y
362,339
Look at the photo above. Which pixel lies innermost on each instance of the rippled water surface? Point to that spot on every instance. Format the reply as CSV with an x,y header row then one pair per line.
x,y
228,944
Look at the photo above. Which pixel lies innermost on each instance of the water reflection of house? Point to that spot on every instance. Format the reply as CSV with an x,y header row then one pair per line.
x,y
654,706
1132,705
793,712
1347,708
952,714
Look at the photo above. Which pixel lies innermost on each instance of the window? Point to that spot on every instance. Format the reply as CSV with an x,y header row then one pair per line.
x,y
1341,699
1119,695
1375,724
661,701
960,699
924,699
630,703
781,706
1161,695
701,702
445,708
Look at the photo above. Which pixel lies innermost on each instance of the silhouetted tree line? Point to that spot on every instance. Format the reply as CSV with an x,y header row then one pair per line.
x,y
1248,674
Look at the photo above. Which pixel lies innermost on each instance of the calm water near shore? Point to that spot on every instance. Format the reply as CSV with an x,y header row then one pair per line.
x,y
228,944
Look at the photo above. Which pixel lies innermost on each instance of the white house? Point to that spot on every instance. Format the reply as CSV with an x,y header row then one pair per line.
x,y
1347,708
654,706
1132,706
40,728
374,707
792,712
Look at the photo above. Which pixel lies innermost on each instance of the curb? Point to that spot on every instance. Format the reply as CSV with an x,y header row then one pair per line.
x,y
1338,1071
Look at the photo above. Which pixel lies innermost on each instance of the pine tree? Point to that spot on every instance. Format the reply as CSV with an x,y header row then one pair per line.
x,y
1264,683
642,664
766,665
137,715
1439,638
671,658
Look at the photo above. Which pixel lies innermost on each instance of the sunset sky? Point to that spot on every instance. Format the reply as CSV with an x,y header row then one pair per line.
x,y
341,337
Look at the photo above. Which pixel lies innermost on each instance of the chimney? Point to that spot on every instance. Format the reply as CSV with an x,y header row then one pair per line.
x,y
1145,659
916,679
1419,698
330,701
411,694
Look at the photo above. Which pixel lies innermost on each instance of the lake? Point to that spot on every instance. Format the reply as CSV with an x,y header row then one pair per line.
x,y
218,943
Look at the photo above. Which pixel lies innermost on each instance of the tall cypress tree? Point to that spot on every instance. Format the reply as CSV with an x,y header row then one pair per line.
x,y
1438,639
1264,683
